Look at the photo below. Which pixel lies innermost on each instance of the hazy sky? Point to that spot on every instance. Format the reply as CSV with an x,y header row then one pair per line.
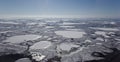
x,y
61,8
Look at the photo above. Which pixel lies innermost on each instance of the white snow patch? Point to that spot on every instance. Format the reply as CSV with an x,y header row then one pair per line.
x,y
37,56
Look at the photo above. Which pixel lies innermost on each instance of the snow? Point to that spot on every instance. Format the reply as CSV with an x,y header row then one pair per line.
x,y
41,45
71,34
22,38
37,56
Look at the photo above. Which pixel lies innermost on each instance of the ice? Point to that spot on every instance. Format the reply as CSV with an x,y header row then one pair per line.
x,y
99,43
71,34
8,23
31,23
112,22
68,23
6,31
100,33
88,41
48,27
37,56
99,39
75,29
41,45
22,38
67,46
105,29
67,26
23,60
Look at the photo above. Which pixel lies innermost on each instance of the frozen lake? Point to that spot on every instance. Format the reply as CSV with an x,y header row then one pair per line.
x,y
71,34
22,38
41,45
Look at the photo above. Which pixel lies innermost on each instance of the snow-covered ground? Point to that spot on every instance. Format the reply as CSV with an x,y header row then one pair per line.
x,y
22,38
71,34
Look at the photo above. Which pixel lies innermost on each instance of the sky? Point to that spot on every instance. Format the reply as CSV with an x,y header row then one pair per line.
x,y
60,8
